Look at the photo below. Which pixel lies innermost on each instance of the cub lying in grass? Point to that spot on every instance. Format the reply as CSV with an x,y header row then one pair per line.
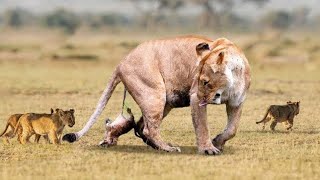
x,y
12,123
284,114
116,128
45,124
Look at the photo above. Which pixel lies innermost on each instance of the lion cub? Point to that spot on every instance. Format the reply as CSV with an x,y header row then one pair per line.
x,y
284,114
45,124
116,128
12,123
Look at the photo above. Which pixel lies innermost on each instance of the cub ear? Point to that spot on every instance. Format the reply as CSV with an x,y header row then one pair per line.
x,y
72,111
220,58
51,111
61,112
200,48
57,110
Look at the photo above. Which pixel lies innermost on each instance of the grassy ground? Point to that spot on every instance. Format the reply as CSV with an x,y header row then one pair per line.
x,y
40,72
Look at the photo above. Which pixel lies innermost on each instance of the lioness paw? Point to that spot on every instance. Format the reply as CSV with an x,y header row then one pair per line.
x,y
211,151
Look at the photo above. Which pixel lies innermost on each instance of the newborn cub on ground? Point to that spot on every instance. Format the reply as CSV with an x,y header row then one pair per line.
x,y
116,128
45,124
284,114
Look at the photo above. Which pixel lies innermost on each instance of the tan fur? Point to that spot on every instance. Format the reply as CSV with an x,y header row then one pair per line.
x,y
281,114
12,123
118,127
171,73
51,125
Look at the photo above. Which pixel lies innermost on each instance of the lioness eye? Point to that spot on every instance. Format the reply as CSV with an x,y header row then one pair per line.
x,y
205,82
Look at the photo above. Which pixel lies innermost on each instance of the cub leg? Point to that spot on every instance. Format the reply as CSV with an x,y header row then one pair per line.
x,y
290,124
273,125
37,138
53,137
25,136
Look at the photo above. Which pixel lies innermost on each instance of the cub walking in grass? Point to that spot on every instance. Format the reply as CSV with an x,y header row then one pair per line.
x,y
51,125
12,123
281,113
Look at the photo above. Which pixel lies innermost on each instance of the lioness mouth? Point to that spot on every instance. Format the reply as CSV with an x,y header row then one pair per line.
x,y
203,103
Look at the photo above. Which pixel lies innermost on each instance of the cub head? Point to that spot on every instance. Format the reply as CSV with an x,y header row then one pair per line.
x,y
214,77
296,106
67,117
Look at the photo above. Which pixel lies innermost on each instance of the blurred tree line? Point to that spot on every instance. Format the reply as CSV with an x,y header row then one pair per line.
x,y
215,15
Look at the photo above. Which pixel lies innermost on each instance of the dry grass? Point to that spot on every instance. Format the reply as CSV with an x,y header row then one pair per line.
x,y
31,81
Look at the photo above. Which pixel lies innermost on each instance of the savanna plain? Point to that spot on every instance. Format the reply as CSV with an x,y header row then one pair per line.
x,y
43,70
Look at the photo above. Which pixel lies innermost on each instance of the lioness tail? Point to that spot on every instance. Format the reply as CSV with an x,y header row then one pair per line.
x,y
115,80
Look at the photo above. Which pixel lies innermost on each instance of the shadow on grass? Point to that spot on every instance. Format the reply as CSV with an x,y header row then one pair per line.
x,y
185,150
280,132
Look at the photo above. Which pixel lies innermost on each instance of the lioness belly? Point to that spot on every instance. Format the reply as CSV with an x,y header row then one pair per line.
x,y
178,98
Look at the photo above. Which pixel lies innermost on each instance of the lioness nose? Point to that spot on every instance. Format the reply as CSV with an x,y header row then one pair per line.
x,y
217,95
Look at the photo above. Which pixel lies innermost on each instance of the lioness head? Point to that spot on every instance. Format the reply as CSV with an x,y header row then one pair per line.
x,y
67,117
214,77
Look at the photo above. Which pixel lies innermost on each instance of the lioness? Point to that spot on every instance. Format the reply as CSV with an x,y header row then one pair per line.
x,y
284,114
12,123
116,128
45,124
179,72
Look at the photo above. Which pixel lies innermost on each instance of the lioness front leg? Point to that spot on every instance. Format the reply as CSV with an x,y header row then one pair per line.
x,y
234,114
199,119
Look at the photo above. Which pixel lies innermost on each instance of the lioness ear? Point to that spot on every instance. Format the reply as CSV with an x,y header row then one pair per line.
x,y
72,111
57,110
51,111
220,58
200,48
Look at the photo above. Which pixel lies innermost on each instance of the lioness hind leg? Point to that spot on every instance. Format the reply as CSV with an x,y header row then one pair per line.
x,y
149,126
150,94
138,129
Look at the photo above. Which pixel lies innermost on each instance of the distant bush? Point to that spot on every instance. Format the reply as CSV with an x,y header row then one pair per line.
x,y
277,19
17,17
63,19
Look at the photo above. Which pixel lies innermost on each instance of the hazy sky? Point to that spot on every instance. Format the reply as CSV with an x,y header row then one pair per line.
x,y
40,6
